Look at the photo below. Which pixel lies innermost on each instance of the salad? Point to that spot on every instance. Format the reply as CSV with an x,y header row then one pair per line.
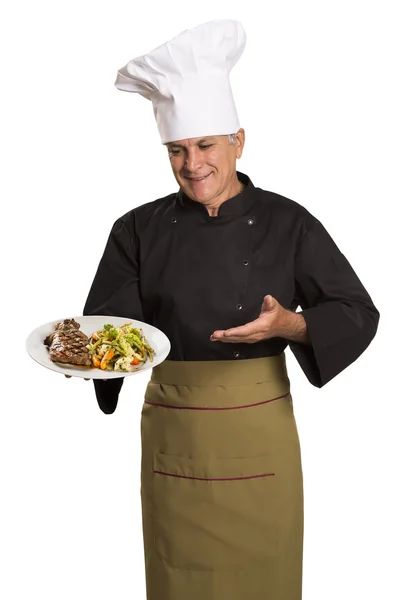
x,y
122,348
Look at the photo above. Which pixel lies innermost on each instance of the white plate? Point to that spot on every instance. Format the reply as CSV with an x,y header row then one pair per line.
x,y
88,324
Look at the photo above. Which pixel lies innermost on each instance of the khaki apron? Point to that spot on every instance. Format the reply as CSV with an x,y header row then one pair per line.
x,y
222,484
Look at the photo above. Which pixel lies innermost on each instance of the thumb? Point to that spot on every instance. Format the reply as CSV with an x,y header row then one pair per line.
x,y
269,303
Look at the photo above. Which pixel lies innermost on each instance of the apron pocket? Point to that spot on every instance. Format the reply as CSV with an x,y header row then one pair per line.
x,y
216,513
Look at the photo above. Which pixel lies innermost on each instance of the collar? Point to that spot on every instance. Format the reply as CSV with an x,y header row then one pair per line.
x,y
238,205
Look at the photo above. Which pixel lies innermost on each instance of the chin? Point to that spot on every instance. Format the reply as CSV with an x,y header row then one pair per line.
x,y
202,196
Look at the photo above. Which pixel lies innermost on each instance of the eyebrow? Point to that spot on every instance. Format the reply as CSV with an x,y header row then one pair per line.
x,y
173,145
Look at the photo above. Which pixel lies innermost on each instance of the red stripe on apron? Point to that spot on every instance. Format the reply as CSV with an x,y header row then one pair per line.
x,y
215,478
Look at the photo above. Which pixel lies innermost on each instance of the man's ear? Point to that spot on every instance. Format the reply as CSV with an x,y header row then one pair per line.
x,y
240,140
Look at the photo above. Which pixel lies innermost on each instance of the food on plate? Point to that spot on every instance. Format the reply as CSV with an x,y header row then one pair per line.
x,y
122,348
68,344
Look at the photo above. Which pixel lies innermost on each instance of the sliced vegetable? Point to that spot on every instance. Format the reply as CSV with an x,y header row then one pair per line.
x,y
106,358
96,360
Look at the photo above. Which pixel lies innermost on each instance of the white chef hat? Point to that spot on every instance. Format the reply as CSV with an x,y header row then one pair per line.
x,y
187,80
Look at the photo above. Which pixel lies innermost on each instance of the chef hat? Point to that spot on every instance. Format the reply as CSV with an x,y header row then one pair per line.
x,y
187,80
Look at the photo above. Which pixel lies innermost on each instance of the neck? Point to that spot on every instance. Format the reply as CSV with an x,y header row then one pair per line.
x,y
230,192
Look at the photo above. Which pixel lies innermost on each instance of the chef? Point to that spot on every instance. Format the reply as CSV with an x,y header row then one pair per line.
x,y
220,266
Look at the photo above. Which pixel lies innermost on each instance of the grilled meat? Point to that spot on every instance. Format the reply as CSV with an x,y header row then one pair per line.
x,y
67,324
67,344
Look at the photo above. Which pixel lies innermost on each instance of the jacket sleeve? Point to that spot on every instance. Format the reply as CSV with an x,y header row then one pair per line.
x,y
115,292
340,315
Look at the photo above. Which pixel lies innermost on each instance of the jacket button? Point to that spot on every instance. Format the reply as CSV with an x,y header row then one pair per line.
x,y
173,219
239,306
236,354
250,222
245,262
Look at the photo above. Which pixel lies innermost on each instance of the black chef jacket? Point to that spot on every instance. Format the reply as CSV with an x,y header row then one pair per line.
x,y
170,264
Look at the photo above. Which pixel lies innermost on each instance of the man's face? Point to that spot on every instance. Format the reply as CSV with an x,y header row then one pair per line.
x,y
205,167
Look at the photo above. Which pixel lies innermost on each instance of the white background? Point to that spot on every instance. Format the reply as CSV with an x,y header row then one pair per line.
x,y
317,93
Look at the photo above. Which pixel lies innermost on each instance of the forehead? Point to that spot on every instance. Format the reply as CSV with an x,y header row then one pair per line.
x,y
195,141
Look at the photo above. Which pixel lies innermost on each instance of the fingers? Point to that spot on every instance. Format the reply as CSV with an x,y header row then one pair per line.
x,y
229,338
250,332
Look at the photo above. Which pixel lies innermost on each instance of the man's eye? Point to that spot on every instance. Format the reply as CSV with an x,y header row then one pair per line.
x,y
174,152
205,147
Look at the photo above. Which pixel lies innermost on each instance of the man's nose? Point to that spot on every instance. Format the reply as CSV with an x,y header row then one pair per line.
x,y
193,160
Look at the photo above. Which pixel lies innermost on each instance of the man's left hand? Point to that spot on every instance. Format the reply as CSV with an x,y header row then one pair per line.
x,y
274,321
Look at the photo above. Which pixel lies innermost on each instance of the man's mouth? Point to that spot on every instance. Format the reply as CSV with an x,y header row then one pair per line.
x,y
198,178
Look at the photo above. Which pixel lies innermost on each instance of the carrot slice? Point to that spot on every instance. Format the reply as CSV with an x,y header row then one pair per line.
x,y
95,360
107,357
